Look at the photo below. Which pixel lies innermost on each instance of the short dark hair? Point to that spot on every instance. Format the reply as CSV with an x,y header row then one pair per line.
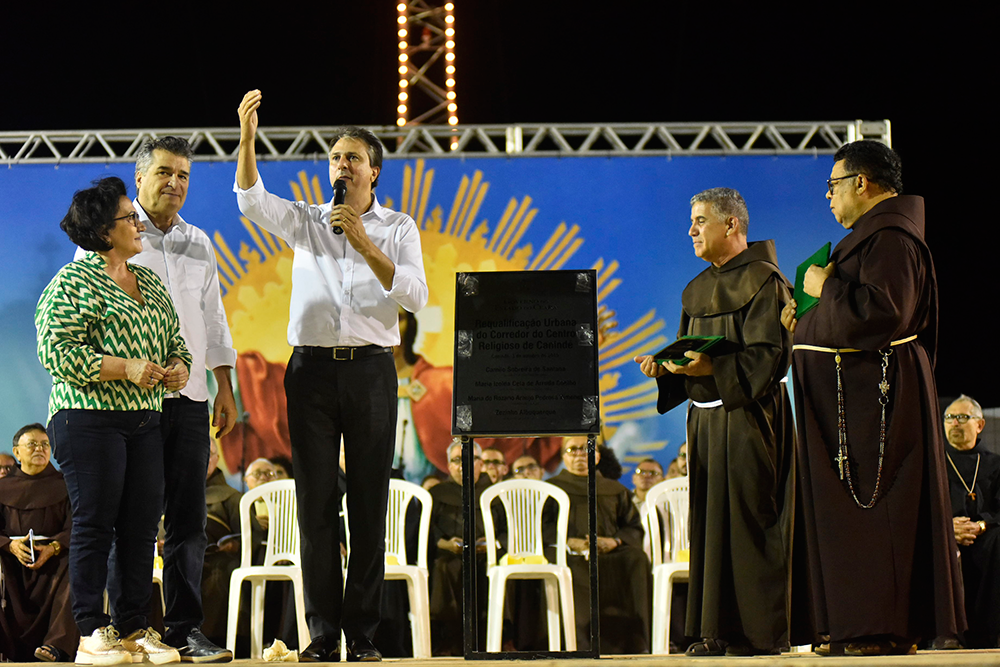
x,y
727,203
375,149
879,163
175,145
285,463
91,215
27,429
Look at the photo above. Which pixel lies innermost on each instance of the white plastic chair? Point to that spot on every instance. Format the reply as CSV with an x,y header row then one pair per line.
x,y
282,544
523,502
396,563
670,553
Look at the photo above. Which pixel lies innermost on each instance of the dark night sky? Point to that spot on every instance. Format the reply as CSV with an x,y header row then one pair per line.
x,y
332,62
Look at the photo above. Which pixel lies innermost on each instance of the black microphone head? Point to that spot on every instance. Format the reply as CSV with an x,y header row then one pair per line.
x,y
339,192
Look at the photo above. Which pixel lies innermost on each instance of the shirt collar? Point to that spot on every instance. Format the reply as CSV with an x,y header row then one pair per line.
x,y
179,222
376,210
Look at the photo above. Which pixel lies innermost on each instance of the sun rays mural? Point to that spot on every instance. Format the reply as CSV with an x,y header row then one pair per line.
x,y
255,274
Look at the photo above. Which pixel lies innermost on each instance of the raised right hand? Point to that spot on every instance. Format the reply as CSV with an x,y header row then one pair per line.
x,y
248,114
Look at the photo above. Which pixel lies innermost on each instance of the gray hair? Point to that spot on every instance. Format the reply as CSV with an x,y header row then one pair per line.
x,y
977,410
457,443
727,203
175,145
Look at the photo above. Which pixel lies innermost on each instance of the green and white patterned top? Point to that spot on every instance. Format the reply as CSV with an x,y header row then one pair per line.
x,y
83,315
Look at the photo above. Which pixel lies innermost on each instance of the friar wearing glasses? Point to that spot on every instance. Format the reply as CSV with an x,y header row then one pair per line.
x,y
974,480
740,434
878,558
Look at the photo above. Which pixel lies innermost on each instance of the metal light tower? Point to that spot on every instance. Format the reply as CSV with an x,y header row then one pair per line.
x,y
426,31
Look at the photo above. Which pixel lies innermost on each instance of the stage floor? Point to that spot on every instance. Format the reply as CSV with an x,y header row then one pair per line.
x,y
962,658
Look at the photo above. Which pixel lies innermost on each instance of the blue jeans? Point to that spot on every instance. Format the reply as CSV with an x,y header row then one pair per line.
x,y
113,465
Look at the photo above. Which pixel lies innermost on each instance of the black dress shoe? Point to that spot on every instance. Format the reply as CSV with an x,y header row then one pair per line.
x,y
321,649
198,648
362,650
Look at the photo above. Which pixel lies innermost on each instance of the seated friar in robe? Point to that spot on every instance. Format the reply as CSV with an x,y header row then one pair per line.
x,y
623,569
974,488
36,620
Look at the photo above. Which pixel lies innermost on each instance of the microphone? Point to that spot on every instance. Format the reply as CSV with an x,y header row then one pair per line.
x,y
339,194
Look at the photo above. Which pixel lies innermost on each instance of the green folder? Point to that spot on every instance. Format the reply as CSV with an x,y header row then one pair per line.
x,y
675,351
804,302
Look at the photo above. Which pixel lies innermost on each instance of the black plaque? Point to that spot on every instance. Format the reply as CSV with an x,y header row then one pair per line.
x,y
525,353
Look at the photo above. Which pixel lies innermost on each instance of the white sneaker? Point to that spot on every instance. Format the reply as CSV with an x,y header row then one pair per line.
x,y
145,646
102,648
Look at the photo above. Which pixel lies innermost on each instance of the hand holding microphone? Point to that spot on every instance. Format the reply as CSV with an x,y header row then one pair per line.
x,y
339,194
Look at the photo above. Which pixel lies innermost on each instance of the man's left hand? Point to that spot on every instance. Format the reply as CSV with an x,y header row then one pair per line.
x,y
224,412
815,277
699,366
346,218
177,375
606,544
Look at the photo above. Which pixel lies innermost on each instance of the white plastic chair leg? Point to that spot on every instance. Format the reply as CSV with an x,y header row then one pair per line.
x,y
257,621
234,613
552,611
569,618
494,617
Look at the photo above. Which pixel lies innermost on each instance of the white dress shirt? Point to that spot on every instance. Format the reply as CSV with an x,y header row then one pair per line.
x,y
336,298
184,259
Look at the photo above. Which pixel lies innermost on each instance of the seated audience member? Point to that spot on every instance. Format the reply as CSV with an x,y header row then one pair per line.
x,y
7,464
679,466
647,474
445,547
282,467
526,467
37,619
260,471
494,465
974,483
624,570
608,464
223,553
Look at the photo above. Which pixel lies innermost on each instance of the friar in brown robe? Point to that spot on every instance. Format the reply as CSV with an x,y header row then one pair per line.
x,y
740,435
876,561
624,575
38,609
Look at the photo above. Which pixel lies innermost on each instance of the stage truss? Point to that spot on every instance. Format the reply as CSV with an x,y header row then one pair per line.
x,y
525,140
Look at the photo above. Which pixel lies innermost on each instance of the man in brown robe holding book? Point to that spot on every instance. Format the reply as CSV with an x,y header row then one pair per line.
x,y
740,434
877,561
36,615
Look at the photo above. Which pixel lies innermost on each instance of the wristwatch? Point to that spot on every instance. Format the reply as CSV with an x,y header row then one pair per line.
x,y
982,527
57,548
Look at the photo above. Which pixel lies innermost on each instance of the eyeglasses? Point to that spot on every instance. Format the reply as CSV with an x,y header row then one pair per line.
x,y
520,470
961,419
831,181
576,449
132,217
457,460
36,444
493,462
649,473
262,474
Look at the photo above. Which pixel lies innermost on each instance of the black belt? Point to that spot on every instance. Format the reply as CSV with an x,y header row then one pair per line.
x,y
342,353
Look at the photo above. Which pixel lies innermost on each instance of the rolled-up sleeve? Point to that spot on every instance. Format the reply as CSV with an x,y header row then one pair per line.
x,y
409,284
61,318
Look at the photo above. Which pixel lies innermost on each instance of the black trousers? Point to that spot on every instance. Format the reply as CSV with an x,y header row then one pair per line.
x,y
356,399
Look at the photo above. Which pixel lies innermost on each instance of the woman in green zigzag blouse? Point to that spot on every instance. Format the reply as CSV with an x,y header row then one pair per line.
x,y
109,335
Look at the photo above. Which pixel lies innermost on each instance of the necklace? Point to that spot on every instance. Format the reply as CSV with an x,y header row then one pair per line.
x,y
843,457
970,489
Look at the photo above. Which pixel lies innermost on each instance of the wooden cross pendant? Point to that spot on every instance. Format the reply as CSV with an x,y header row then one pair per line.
x,y
840,458
972,495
